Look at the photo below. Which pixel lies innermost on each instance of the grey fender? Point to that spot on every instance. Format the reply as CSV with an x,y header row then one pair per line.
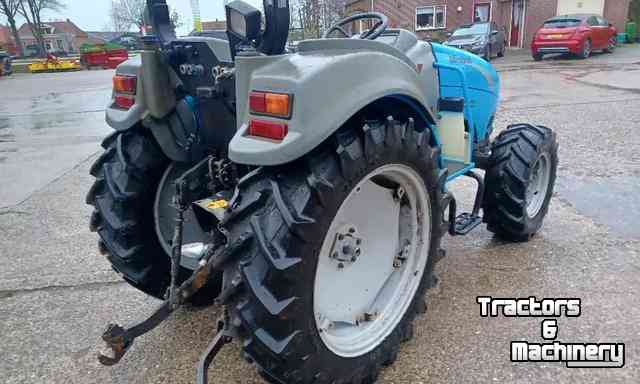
x,y
122,120
330,81
167,131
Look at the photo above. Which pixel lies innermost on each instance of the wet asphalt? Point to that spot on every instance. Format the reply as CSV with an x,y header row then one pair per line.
x,y
57,293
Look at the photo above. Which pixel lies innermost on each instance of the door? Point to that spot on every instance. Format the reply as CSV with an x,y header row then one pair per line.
x,y
596,32
603,32
517,22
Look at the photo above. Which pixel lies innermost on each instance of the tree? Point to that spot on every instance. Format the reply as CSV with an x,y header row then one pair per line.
x,y
31,10
314,17
128,13
9,8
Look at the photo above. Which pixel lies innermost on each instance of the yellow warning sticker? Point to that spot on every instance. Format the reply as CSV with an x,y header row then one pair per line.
x,y
217,204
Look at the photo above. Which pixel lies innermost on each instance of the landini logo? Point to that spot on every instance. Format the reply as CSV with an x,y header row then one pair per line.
x,y
574,355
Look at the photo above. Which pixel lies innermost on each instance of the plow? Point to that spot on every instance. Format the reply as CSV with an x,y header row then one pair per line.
x,y
305,192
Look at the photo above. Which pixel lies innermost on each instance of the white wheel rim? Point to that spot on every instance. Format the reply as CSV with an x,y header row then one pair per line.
x,y
363,290
538,185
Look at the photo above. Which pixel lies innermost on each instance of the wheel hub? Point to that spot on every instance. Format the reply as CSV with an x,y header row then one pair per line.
x,y
538,185
372,260
346,248
194,237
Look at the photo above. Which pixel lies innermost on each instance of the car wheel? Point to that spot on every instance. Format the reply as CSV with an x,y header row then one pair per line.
x,y
487,53
537,56
613,42
586,49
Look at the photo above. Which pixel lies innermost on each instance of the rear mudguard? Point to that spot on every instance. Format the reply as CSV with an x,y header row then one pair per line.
x,y
170,131
330,81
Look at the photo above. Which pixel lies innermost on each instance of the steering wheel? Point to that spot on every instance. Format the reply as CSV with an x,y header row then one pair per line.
x,y
378,29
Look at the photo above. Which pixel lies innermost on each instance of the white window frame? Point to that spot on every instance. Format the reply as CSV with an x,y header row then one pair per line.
x,y
444,17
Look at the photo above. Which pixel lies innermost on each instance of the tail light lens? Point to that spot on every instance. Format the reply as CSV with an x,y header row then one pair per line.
x,y
271,104
125,84
125,90
268,129
125,101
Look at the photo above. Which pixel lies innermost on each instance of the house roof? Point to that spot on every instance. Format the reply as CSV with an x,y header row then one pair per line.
x,y
67,26
214,25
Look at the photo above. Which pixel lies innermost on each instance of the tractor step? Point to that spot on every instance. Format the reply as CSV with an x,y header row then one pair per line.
x,y
466,222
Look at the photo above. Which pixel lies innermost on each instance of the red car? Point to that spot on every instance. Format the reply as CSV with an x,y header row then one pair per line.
x,y
579,34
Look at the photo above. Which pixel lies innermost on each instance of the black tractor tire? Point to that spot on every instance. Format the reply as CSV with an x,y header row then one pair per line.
x,y
127,176
514,154
276,227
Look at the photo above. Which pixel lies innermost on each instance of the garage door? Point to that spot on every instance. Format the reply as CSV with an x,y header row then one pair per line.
x,y
580,6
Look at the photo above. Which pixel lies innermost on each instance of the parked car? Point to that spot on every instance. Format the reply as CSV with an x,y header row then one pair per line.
x,y
217,33
5,64
483,39
579,34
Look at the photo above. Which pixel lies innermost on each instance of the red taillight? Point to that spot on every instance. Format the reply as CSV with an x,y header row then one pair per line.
x,y
258,102
124,88
268,129
125,84
125,101
272,104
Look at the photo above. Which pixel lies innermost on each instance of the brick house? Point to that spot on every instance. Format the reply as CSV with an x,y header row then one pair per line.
x,y
6,40
59,36
520,19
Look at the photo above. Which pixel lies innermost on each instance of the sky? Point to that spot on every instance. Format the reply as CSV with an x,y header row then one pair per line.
x,y
93,15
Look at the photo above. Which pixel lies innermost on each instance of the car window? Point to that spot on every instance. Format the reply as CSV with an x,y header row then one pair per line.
x,y
593,21
561,23
603,22
475,29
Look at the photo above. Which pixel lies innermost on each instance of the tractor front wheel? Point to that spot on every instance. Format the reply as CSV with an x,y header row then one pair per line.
x,y
520,181
333,254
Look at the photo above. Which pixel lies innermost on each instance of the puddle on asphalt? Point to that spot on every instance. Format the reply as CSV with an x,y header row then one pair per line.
x,y
612,201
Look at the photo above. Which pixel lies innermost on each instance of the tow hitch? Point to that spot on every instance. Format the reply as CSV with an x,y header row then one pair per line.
x,y
119,340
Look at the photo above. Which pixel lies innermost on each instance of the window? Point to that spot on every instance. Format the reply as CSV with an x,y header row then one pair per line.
x,y
561,23
592,21
431,17
482,13
60,45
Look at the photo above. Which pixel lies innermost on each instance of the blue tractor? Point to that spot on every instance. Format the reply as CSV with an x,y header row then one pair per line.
x,y
307,191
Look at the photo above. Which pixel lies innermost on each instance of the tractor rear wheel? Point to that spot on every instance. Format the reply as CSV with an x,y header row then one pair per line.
x,y
334,254
131,182
520,181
